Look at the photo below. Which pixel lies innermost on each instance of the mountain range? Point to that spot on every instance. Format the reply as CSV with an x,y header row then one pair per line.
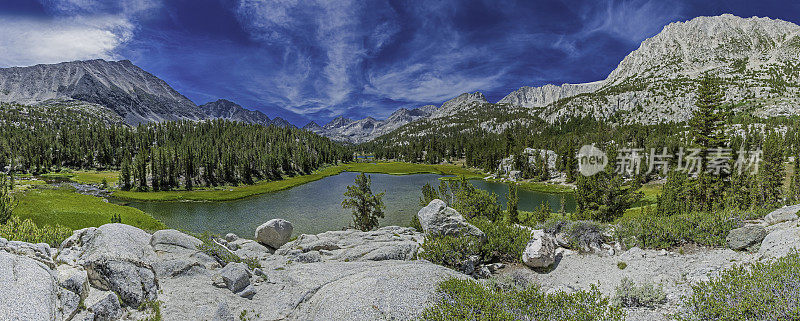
x,y
757,59
120,86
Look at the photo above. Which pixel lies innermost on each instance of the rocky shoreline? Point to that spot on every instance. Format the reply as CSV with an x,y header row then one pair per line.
x,y
119,272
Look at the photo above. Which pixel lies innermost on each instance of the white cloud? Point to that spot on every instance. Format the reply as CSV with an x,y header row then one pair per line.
x,y
29,41
81,7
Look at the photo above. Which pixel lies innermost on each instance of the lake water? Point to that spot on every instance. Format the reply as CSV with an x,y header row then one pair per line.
x,y
315,207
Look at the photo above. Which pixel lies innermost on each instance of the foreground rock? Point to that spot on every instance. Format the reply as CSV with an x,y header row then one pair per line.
x,y
386,243
746,237
28,291
274,233
780,242
438,219
783,214
115,268
118,258
540,251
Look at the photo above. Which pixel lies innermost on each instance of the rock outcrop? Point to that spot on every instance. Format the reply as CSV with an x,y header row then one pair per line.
x,y
118,258
783,214
746,237
274,233
386,243
115,268
439,219
780,242
540,252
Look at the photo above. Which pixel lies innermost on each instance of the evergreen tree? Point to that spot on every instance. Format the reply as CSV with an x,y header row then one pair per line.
x,y
794,184
125,174
6,200
705,126
771,171
367,207
513,202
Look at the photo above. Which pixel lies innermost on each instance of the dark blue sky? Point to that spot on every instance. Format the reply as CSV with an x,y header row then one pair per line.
x,y
315,60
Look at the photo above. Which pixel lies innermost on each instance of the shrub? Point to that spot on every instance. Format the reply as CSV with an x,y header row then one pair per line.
x,y
450,251
504,241
578,234
647,295
700,228
470,300
27,231
761,291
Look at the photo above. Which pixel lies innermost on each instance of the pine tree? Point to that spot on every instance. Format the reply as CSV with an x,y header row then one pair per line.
x,y
6,200
794,185
513,202
771,171
125,174
367,207
705,126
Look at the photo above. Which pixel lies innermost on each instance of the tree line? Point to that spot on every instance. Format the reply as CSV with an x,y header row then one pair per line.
x,y
160,156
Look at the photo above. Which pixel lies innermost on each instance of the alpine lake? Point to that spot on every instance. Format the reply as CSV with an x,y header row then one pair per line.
x,y
316,207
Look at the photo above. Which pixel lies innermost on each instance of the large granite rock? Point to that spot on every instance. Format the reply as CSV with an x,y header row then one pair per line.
x,y
274,233
438,219
331,290
29,291
540,251
174,241
392,291
780,243
118,258
107,309
746,237
236,276
386,243
783,214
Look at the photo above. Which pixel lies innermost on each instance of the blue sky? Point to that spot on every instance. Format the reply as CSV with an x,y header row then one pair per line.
x,y
318,59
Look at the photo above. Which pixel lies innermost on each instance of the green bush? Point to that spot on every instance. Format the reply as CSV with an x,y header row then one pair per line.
x,y
647,295
700,228
470,300
579,235
761,291
450,251
504,241
27,231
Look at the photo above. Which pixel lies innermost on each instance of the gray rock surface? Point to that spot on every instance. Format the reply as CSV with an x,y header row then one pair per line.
x,y
236,276
386,243
745,237
783,214
540,252
107,309
174,240
439,219
274,233
117,257
29,291
780,242
332,290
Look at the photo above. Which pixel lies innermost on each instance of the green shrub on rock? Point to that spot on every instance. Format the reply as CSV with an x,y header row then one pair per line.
x,y
470,300
761,291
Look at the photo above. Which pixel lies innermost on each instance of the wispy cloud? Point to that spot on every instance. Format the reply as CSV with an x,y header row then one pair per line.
x,y
29,41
